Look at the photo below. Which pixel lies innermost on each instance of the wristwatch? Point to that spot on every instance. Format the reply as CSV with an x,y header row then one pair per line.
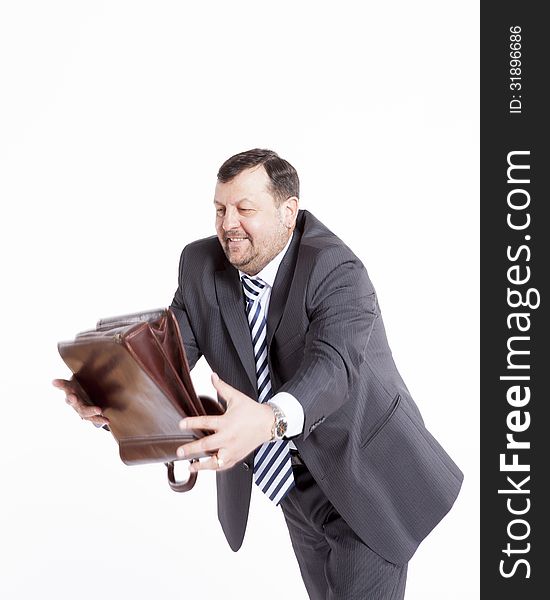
x,y
280,425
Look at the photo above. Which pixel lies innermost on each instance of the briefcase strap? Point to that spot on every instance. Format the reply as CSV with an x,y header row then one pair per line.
x,y
180,486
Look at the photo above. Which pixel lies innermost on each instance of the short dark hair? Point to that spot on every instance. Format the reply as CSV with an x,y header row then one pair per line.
x,y
284,181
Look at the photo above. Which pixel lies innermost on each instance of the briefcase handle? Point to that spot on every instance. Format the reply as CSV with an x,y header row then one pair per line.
x,y
180,486
210,407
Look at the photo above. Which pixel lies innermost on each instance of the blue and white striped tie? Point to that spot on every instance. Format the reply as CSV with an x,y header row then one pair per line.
x,y
272,467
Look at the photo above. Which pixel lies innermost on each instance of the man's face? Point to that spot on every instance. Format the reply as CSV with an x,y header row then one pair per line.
x,y
251,228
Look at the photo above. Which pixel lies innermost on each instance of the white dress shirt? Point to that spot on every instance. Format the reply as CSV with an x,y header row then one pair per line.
x,y
293,410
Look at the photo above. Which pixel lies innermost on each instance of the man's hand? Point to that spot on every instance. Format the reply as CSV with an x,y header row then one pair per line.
x,y
76,397
244,426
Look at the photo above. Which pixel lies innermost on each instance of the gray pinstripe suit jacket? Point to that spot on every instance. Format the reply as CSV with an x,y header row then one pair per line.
x,y
364,439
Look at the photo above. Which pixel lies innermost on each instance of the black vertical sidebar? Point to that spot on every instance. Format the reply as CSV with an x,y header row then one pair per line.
x,y
515,337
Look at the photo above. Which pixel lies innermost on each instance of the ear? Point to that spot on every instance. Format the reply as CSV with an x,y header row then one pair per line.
x,y
290,211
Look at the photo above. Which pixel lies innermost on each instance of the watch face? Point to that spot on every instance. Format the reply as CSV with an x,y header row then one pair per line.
x,y
281,428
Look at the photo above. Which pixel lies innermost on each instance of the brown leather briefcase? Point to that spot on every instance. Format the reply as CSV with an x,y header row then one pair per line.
x,y
134,368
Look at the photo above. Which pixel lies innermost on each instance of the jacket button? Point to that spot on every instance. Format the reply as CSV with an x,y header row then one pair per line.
x,y
245,466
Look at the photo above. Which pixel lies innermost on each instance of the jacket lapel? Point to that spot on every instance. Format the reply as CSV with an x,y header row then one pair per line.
x,y
231,302
281,287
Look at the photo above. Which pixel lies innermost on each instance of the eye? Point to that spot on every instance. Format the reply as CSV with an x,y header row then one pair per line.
x,y
220,212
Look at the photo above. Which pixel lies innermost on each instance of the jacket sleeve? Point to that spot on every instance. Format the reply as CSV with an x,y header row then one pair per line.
x,y
342,310
192,349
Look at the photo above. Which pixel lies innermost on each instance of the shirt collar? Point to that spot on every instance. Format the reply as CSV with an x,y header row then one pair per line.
x,y
269,272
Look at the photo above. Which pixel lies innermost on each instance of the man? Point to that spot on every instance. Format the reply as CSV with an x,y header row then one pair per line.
x,y
317,414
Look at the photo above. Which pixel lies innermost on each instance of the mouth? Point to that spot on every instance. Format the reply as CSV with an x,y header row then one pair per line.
x,y
235,239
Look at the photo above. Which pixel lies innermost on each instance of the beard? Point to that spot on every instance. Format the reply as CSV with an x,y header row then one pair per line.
x,y
252,255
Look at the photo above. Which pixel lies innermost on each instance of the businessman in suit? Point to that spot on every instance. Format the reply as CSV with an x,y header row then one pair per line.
x,y
317,414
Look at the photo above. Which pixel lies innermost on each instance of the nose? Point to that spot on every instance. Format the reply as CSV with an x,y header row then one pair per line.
x,y
230,219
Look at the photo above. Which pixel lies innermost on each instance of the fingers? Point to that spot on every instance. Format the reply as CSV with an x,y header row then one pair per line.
x,y
98,420
71,386
203,446
210,464
227,392
93,414
204,422
62,384
218,462
86,411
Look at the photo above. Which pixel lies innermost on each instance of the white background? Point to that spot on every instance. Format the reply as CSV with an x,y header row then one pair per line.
x,y
114,118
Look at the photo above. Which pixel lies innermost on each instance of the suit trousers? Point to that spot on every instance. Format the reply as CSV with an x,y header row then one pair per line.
x,y
334,562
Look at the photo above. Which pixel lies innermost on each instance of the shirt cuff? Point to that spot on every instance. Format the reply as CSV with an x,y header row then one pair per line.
x,y
293,410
